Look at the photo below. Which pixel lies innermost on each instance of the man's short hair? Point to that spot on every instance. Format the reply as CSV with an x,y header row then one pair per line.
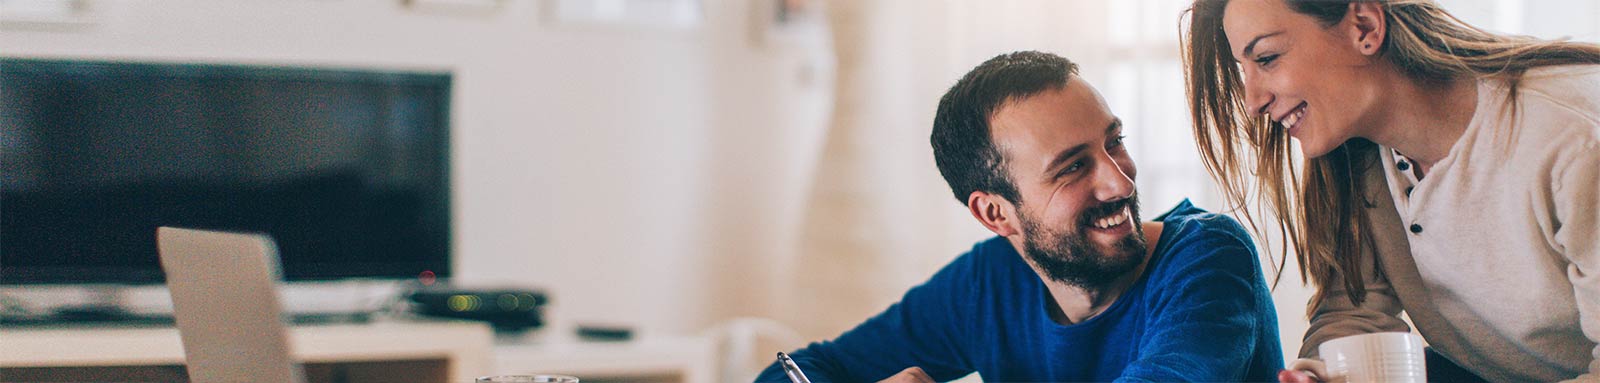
x,y
962,144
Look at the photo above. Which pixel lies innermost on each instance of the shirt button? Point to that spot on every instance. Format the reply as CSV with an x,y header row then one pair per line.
x,y
1416,229
1403,166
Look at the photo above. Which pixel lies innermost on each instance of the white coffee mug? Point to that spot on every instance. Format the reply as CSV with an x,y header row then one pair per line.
x,y
1375,357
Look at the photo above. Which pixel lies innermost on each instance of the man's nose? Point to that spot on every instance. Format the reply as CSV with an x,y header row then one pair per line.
x,y
1113,183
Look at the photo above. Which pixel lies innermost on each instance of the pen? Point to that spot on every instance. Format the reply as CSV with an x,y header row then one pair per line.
x,y
791,369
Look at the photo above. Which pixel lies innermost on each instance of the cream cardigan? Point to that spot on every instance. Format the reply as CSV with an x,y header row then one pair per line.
x,y
1495,253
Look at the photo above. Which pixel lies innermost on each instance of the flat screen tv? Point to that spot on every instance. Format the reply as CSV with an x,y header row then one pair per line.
x,y
348,170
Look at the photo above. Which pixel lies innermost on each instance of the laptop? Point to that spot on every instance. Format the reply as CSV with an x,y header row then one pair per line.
x,y
225,303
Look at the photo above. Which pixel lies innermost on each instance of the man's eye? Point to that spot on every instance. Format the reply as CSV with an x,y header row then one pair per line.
x,y
1116,141
1072,168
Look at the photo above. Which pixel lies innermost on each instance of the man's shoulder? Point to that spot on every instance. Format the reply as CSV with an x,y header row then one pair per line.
x,y
1193,237
992,245
1187,224
989,260
990,253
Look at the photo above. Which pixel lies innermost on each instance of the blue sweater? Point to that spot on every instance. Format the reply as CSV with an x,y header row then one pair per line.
x,y
1201,312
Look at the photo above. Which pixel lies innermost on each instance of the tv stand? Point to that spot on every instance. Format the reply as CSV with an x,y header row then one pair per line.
x,y
110,305
106,304
93,314
388,349
123,318
77,317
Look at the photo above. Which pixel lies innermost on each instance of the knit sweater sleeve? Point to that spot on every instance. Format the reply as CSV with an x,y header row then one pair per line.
x,y
1333,314
1577,236
925,329
1206,317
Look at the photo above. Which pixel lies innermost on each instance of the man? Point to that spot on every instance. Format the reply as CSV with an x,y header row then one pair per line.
x,y
1074,288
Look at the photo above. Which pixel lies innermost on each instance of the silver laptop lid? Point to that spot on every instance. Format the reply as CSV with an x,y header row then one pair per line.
x,y
225,303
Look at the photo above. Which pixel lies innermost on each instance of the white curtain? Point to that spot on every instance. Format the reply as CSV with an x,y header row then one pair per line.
x,y
879,218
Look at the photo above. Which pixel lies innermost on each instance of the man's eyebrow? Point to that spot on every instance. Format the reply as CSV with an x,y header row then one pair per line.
x,y
1065,155
1251,47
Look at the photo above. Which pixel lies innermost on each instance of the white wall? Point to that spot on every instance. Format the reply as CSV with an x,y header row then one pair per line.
x,y
594,161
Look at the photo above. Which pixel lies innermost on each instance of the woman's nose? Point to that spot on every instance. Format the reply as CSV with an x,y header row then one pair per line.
x,y
1256,96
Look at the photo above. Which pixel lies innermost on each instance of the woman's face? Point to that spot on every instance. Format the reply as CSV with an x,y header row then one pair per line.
x,y
1318,82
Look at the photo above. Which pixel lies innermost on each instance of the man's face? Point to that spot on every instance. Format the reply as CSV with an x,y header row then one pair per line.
x,y
1078,208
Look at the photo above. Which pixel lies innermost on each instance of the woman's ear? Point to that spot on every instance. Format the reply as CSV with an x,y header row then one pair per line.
x,y
1367,26
995,213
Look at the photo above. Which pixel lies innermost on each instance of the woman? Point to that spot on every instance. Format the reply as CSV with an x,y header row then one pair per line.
x,y
1450,173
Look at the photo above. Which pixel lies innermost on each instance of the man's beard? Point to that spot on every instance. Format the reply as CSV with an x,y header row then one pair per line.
x,y
1070,258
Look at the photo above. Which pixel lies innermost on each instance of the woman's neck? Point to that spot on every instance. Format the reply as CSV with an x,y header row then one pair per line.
x,y
1424,120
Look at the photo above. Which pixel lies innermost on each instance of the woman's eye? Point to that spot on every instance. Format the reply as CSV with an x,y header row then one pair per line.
x,y
1266,59
1117,141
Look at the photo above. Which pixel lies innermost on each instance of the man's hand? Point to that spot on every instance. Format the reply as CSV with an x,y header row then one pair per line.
x,y
909,375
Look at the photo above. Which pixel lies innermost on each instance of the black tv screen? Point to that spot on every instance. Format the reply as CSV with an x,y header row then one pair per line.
x,y
348,170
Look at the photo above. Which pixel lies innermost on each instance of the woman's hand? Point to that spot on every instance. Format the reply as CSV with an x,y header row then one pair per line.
x,y
1303,371
1292,376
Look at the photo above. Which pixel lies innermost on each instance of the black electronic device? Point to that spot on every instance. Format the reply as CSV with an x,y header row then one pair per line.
x,y
508,310
604,332
348,169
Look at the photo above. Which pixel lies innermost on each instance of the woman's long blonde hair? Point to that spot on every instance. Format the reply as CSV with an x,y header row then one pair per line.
x,y
1245,152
